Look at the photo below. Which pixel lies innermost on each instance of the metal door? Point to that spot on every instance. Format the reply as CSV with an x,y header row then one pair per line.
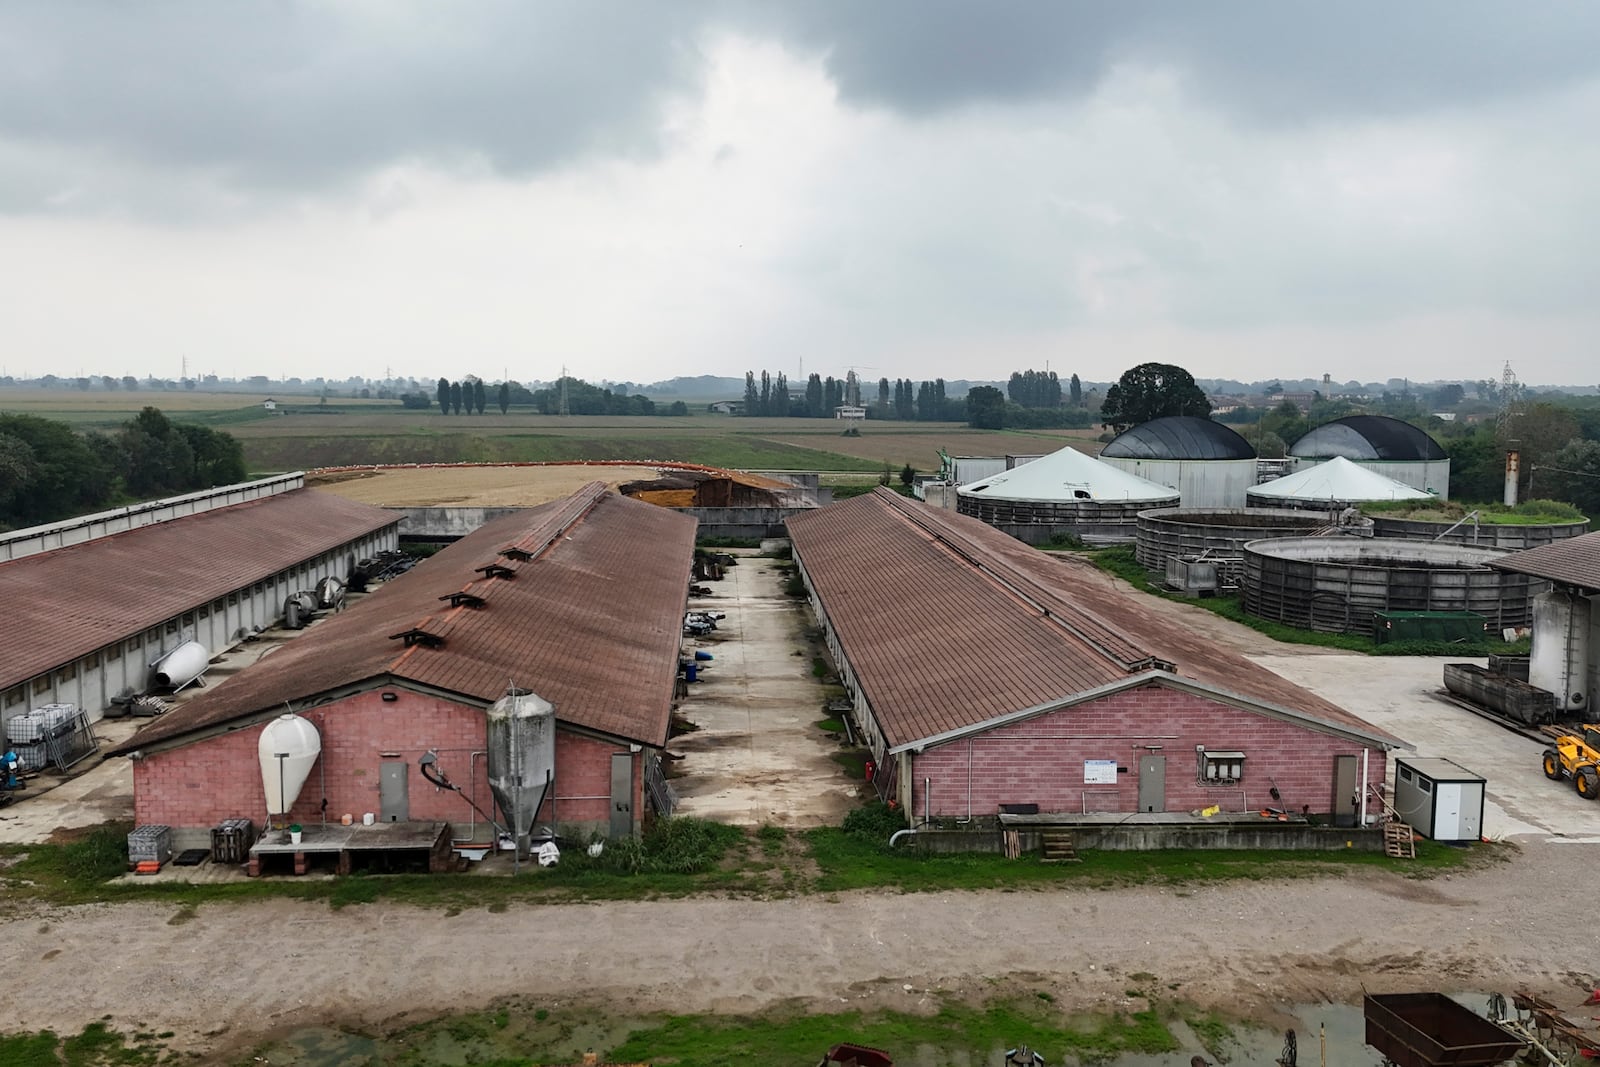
x,y
621,794
1471,812
1446,811
394,791
1344,791
1152,783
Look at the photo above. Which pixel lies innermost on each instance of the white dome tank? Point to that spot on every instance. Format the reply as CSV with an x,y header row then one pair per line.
x,y
298,743
522,757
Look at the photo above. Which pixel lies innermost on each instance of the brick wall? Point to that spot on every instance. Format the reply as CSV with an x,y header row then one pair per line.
x,y
1041,760
200,784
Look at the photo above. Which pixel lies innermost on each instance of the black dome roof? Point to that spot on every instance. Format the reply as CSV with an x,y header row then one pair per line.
x,y
1368,437
1178,437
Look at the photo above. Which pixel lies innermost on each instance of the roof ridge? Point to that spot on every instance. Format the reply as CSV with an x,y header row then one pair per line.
x,y
1074,618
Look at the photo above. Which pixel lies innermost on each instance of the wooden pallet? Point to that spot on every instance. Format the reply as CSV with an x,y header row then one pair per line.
x,y
1059,846
1399,840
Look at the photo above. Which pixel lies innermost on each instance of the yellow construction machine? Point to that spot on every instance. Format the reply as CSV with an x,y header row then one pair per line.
x,y
1575,755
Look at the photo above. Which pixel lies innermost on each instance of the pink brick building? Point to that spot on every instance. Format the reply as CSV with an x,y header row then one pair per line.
x,y
559,600
987,674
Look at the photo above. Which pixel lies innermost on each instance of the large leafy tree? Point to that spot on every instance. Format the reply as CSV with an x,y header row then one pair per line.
x,y
1152,391
986,408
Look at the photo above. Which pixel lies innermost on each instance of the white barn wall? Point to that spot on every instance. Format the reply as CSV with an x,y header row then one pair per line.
x,y
1201,483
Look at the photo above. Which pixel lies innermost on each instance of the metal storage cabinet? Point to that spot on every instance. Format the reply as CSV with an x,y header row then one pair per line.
x,y
1440,799
150,844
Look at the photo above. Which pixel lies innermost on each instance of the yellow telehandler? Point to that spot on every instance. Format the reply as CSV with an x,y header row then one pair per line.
x,y
1575,755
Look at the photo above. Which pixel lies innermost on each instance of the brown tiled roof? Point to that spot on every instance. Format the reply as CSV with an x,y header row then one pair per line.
x,y
1574,561
948,623
68,602
587,611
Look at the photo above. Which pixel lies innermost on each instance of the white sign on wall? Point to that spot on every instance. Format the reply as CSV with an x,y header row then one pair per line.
x,y
1099,772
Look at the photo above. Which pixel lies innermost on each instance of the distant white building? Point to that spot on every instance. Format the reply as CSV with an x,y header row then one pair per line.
x,y
270,404
850,413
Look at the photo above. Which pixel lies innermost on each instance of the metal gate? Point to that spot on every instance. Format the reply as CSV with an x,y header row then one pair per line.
x,y
659,790
1152,783
394,791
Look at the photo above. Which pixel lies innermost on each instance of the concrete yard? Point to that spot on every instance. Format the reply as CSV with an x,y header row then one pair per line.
x,y
759,756
1401,694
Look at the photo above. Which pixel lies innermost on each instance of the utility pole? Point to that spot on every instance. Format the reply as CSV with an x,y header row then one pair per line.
x,y
564,409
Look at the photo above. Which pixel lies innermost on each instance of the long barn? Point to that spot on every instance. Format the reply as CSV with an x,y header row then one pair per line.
x,y
985,673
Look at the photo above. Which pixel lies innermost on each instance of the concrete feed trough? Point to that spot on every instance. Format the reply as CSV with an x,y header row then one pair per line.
x,y
1165,532
1334,584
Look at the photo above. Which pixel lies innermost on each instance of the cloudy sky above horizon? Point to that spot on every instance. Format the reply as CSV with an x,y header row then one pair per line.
x,y
910,187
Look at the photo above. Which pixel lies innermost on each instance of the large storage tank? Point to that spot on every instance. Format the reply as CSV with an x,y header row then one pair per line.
x,y
1507,537
1560,658
1209,464
1331,486
522,758
182,665
1335,584
287,750
1066,493
1386,446
1181,532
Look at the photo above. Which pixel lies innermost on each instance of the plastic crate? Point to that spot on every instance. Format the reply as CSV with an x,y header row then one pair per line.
x,y
231,840
150,844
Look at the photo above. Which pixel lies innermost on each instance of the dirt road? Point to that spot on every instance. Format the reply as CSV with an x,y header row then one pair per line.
x,y
234,973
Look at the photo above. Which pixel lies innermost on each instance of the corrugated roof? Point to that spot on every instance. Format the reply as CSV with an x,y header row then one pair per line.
x,y
948,623
68,602
587,611
1574,561
1179,437
1067,475
1367,437
1338,481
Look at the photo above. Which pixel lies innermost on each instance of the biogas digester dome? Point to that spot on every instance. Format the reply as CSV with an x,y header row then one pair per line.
x,y
1064,492
1209,464
1329,486
1386,446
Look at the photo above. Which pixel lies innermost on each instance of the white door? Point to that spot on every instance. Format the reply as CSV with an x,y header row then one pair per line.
x,y
1471,811
1447,811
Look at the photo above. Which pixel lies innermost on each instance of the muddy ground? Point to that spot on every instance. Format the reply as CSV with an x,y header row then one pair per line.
x,y
233,974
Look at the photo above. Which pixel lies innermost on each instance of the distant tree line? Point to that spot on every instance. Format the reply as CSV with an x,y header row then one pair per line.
x,y
49,471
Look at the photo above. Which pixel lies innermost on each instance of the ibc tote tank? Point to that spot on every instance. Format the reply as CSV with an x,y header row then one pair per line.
x,y
522,758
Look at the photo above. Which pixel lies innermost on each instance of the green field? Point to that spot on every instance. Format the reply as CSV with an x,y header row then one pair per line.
x,y
305,433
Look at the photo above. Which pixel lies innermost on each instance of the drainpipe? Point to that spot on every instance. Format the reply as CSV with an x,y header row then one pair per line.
x,y
968,819
1363,816
898,834
927,801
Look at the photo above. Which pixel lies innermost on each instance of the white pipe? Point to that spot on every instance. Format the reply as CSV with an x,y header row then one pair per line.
x,y
1364,780
927,801
898,834
968,819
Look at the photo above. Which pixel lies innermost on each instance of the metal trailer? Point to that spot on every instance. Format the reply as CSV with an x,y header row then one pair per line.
x,y
1431,1030
1504,693
1440,799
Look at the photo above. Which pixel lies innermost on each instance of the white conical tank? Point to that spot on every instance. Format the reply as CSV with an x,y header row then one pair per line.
x,y
522,757
182,665
288,749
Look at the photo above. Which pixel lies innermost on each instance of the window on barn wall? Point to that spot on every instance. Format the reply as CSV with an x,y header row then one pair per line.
x,y
188,618
17,695
216,605
67,673
205,613
91,660
135,642
233,599
172,626
41,684
1221,767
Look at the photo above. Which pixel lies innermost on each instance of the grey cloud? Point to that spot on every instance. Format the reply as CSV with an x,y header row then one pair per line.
x,y
300,95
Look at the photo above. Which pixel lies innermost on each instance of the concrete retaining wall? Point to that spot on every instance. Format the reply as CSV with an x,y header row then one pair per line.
x,y
1146,838
450,524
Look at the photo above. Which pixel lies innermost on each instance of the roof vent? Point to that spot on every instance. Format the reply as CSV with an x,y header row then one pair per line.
x,y
521,555
496,570
417,636
464,598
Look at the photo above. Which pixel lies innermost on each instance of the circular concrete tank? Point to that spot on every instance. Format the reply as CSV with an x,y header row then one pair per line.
x,y
1037,521
1164,532
1503,536
1334,584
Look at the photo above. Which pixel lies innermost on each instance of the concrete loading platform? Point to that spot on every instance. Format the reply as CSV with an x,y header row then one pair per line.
x,y
386,845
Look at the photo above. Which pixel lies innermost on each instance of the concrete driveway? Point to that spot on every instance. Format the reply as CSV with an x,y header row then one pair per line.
x,y
759,756
1399,693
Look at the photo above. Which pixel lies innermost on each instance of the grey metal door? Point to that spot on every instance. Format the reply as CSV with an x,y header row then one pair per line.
x,y
1344,791
394,791
1152,783
621,794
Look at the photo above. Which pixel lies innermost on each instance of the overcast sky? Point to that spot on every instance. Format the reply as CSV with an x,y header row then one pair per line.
x,y
916,188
